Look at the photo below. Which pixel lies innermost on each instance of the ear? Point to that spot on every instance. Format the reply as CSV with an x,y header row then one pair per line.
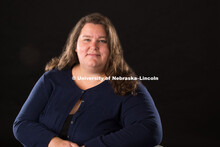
x,y
76,50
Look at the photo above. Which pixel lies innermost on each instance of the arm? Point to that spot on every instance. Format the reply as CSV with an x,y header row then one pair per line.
x,y
26,127
141,124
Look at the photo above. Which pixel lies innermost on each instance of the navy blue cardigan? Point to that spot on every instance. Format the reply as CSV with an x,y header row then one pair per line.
x,y
103,119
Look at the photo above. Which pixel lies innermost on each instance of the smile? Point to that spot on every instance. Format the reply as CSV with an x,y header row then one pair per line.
x,y
93,55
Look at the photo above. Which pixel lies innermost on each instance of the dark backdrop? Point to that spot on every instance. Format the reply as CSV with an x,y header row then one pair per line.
x,y
167,39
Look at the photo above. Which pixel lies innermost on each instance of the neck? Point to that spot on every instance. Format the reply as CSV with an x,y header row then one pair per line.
x,y
84,84
80,71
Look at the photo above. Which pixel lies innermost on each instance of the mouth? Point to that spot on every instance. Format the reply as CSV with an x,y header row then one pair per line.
x,y
93,55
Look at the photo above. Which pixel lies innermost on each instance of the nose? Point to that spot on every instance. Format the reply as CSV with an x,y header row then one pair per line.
x,y
94,45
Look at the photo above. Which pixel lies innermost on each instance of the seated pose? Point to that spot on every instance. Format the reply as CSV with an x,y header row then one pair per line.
x,y
76,102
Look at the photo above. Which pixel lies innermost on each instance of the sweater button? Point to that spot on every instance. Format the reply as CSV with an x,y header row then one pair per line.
x,y
83,91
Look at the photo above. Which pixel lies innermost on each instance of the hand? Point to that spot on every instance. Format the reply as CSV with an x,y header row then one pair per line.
x,y
58,142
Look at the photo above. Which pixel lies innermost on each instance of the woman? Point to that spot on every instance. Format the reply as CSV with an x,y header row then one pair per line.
x,y
71,105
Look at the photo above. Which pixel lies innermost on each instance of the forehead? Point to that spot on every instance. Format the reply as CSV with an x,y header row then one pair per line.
x,y
93,29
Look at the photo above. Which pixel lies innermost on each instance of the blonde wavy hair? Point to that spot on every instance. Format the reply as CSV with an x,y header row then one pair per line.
x,y
115,66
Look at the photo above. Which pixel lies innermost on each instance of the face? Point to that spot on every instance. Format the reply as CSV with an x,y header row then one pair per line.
x,y
92,48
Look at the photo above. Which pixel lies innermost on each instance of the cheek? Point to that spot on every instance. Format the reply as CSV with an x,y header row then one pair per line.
x,y
81,49
81,55
106,53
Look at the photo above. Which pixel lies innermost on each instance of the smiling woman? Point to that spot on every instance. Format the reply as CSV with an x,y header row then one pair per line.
x,y
92,48
62,111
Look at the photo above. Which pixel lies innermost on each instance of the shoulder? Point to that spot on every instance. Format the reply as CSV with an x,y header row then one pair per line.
x,y
55,73
142,90
57,77
142,95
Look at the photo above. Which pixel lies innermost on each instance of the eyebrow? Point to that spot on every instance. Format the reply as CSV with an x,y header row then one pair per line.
x,y
91,36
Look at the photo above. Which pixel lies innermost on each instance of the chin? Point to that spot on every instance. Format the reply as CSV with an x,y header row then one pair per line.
x,y
92,64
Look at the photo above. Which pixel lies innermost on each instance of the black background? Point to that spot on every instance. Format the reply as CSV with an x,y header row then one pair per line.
x,y
172,40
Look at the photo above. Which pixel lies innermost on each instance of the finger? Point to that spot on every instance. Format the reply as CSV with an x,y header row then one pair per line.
x,y
73,144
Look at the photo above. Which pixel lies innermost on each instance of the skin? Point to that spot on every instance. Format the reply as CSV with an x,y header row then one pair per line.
x,y
92,48
58,142
92,51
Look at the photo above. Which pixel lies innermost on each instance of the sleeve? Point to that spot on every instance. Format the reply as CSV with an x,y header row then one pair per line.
x,y
26,128
141,124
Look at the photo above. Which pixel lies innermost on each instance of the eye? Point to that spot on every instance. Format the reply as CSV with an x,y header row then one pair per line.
x,y
87,40
103,41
